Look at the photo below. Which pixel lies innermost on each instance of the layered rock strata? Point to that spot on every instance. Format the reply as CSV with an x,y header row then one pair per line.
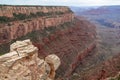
x,y
22,63
9,10
72,44
17,28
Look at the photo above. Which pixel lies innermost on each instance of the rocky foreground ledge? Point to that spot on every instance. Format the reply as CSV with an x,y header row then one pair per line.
x,y
22,63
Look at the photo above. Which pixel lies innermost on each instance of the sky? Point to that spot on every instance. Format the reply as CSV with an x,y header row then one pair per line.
x,y
62,2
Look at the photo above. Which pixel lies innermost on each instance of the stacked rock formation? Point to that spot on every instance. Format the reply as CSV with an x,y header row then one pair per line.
x,y
22,63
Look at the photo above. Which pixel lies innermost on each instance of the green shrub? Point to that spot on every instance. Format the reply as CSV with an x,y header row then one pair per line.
x,y
40,14
19,16
31,15
4,19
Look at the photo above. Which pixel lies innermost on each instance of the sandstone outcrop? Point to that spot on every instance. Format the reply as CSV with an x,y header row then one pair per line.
x,y
22,63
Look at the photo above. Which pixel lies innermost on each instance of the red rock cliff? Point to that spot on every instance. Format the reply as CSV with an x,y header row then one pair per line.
x,y
16,29
71,39
9,10
72,45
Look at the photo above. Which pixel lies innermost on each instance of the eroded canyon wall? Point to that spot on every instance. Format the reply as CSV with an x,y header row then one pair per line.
x,y
15,29
71,39
72,44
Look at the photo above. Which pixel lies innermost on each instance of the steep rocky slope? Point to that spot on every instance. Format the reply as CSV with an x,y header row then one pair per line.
x,y
71,44
71,39
105,61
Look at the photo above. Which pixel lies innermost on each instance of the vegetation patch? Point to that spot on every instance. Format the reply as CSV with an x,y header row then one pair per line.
x,y
21,16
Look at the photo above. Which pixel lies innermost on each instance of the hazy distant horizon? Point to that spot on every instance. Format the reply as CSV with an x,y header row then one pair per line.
x,y
81,3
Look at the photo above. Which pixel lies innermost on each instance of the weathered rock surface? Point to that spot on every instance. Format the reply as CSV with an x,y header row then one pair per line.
x,y
16,29
72,44
117,77
22,63
108,71
9,10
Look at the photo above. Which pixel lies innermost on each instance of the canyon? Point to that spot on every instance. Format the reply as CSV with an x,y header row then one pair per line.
x,y
69,38
80,45
105,62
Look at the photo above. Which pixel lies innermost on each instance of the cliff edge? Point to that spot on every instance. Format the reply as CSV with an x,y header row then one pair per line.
x,y
22,63
26,19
